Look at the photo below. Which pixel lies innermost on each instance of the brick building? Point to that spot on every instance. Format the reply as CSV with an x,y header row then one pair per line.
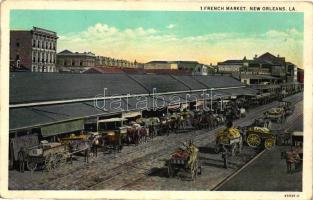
x,y
33,50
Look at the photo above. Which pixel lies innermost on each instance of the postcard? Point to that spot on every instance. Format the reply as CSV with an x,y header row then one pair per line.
x,y
156,100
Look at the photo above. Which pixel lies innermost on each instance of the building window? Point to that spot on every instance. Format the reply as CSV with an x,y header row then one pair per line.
x,y
17,44
73,63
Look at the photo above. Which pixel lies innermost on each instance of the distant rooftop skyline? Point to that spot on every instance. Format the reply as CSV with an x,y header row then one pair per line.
x,y
207,37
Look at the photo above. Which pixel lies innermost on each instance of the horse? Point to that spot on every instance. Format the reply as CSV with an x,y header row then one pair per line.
x,y
292,158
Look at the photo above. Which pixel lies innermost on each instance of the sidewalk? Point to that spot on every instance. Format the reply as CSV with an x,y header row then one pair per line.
x,y
267,173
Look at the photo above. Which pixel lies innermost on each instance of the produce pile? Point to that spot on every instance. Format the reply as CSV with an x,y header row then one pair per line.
x,y
182,154
225,135
276,111
259,130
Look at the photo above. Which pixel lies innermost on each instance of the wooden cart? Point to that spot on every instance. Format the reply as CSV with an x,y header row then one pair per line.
x,y
187,160
275,114
49,155
230,139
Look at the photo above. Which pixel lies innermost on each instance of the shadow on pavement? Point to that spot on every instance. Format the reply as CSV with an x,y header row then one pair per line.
x,y
209,150
160,172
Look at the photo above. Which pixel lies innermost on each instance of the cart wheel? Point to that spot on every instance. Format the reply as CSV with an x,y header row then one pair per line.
x,y
31,164
269,143
50,162
170,170
60,160
253,140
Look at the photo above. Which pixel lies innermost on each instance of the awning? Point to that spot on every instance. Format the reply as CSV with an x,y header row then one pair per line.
x,y
64,127
131,114
173,106
297,133
116,119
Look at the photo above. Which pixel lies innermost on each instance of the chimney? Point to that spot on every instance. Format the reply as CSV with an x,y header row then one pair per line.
x,y
255,56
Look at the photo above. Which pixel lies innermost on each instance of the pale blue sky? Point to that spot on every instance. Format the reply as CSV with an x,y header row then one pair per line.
x,y
215,35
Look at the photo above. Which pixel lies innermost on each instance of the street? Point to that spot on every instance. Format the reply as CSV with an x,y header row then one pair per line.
x,y
143,167
269,170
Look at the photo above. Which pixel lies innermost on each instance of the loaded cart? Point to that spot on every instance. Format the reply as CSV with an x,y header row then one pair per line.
x,y
229,138
256,136
49,155
275,114
185,158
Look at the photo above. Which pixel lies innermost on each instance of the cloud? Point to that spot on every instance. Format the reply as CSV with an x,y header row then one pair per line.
x,y
290,33
170,26
144,44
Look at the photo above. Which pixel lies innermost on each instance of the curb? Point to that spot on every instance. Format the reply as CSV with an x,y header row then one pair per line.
x,y
219,185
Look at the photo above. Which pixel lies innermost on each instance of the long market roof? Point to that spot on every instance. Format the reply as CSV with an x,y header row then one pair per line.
x,y
41,87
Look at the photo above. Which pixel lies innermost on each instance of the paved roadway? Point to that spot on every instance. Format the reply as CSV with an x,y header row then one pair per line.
x,y
260,175
268,172
142,167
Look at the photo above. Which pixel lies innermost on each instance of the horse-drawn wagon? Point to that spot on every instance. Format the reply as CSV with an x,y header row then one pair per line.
x,y
48,155
229,138
256,136
111,133
185,158
275,114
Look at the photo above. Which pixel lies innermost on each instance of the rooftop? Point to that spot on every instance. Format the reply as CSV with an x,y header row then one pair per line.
x,y
26,87
69,53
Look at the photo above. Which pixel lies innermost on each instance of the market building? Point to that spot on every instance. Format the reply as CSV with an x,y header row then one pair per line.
x,y
33,50
57,108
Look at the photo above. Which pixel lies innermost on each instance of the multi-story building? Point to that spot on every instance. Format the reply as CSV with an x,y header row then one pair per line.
x,y
230,66
102,61
266,64
300,75
68,61
33,50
